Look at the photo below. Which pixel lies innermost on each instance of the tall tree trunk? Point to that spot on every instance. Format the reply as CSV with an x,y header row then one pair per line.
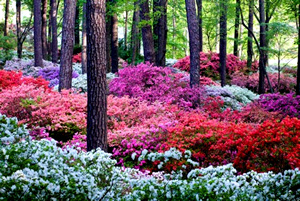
x,y
126,30
49,35
223,41
6,18
67,45
298,66
262,55
135,33
236,28
108,40
18,22
114,44
193,28
199,5
54,47
174,32
148,44
77,22
160,31
44,29
38,54
96,72
83,53
250,38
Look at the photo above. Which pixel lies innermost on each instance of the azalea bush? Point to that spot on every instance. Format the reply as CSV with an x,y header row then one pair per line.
x,y
287,83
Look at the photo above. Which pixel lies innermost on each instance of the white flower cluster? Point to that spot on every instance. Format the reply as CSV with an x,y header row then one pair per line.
x,y
39,170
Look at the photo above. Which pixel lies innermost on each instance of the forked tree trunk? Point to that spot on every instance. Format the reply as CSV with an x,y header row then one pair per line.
x,y
44,29
6,18
148,44
160,31
54,48
83,53
114,44
67,45
250,37
193,28
38,51
223,41
96,72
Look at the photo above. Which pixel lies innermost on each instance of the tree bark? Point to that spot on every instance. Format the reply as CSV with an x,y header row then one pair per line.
x,y
6,18
96,72
262,41
77,22
193,28
250,38
125,30
199,5
223,41
83,53
298,66
114,43
38,51
160,31
135,33
67,45
44,29
108,41
148,43
18,23
54,48
236,29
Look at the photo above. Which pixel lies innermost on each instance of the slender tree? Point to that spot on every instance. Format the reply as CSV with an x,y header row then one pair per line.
x,y
298,66
53,13
236,28
193,28
148,44
199,6
38,54
250,38
44,29
67,45
134,45
262,41
18,23
83,54
77,22
96,72
6,17
223,41
125,29
160,31
114,43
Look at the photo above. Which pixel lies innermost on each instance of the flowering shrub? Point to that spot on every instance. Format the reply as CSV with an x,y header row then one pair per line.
x,y
273,146
210,64
286,105
76,58
9,79
251,82
39,170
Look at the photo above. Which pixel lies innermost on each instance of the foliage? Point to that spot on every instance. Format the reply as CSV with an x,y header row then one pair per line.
x,y
7,45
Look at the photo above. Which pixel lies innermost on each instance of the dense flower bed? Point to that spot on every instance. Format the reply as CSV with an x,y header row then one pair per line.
x,y
39,170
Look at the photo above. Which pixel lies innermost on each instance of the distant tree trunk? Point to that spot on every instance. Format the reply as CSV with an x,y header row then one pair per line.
x,y
298,66
160,32
236,28
199,5
6,18
83,54
114,44
77,22
49,34
96,72
54,48
148,44
67,45
250,38
193,28
38,54
135,33
174,32
126,29
223,41
44,29
108,41
18,22
262,41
